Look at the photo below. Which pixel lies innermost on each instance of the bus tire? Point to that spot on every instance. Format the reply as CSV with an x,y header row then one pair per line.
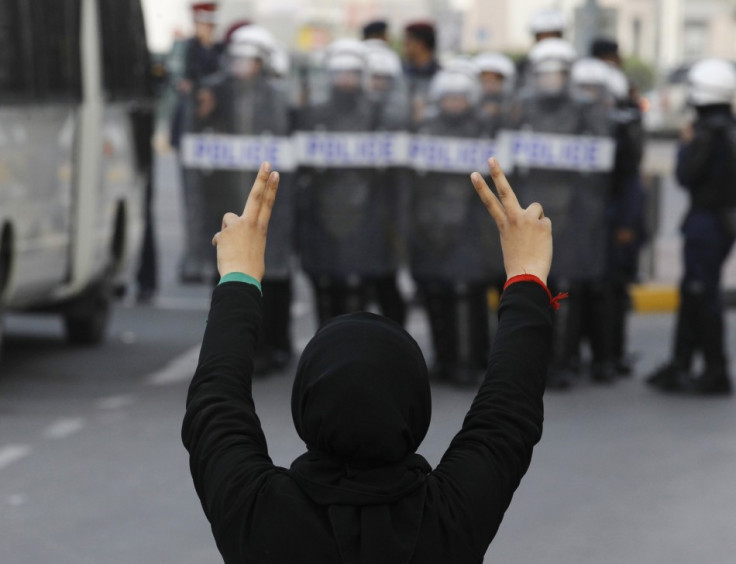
x,y
87,323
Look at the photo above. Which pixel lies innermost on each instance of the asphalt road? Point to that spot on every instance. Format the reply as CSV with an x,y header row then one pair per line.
x,y
92,469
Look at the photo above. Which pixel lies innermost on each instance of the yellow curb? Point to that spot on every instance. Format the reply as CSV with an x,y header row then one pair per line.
x,y
645,298
654,298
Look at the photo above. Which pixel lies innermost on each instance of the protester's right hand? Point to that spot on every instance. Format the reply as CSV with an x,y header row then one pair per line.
x,y
526,235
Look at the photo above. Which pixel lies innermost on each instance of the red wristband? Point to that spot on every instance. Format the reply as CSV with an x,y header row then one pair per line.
x,y
553,302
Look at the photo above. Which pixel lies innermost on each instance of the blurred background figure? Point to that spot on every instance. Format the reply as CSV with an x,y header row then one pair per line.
x,y
545,24
143,118
706,167
202,60
549,105
450,249
420,64
246,100
344,238
497,75
377,29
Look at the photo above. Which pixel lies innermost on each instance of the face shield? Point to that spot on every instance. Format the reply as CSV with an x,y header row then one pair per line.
x,y
455,104
551,83
245,61
244,68
492,83
345,73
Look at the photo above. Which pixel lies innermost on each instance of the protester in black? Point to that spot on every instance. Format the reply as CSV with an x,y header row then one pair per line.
x,y
361,402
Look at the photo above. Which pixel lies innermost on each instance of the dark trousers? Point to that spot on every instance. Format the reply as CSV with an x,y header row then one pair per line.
x,y
147,276
458,316
337,296
700,324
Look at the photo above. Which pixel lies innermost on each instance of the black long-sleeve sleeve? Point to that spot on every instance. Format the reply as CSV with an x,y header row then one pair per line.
x,y
694,158
221,431
487,459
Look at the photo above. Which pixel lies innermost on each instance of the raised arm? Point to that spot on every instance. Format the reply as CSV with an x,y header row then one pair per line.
x,y
487,459
227,448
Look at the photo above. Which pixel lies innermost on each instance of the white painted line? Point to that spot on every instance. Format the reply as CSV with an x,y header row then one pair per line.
x,y
181,369
112,403
13,453
64,428
16,500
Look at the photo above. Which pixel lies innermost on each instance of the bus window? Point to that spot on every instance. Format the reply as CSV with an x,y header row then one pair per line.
x,y
126,65
56,48
16,54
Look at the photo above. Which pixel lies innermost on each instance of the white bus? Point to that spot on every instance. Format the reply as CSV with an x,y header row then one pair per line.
x,y
73,77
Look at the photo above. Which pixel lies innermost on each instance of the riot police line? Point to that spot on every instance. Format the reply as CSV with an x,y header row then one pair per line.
x,y
383,150
368,190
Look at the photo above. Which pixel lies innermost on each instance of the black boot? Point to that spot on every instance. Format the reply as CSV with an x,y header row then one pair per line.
x,y
670,377
715,379
439,306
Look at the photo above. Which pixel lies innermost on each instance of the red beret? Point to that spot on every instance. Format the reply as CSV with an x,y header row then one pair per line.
x,y
204,12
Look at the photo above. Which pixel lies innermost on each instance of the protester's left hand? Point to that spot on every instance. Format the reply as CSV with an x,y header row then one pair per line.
x,y
241,244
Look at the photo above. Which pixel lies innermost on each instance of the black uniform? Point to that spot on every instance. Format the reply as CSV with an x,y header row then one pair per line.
x,y
706,167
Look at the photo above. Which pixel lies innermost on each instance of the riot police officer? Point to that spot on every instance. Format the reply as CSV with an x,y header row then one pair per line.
x,y
549,105
343,236
594,299
248,100
388,90
497,74
547,23
626,225
706,167
450,249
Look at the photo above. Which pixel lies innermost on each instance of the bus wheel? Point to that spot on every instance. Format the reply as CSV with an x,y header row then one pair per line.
x,y
87,323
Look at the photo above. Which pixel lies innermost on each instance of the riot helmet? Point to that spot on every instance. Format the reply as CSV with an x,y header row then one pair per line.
x,y
384,66
454,92
551,60
590,79
547,23
250,52
711,82
346,65
497,73
618,84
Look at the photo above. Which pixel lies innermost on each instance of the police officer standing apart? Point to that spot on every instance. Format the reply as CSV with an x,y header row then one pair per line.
x,y
706,167
202,61
450,247
247,100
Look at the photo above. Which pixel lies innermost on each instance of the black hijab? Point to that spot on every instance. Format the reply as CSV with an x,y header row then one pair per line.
x,y
361,402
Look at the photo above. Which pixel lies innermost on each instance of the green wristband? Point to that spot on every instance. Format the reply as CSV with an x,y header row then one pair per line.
x,y
241,277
